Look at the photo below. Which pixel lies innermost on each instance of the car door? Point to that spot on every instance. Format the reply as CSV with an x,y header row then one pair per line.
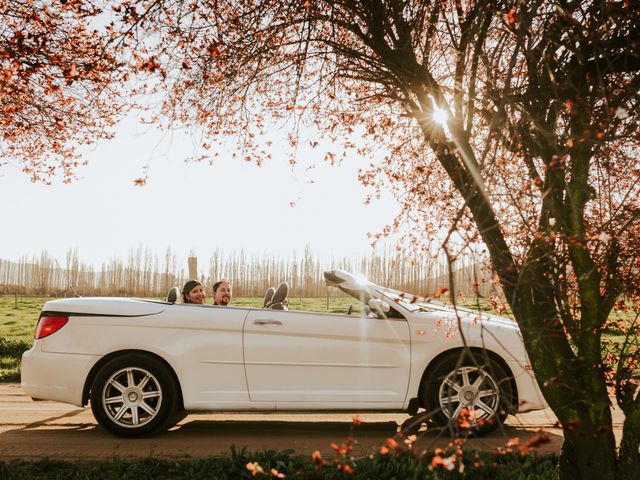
x,y
205,347
310,360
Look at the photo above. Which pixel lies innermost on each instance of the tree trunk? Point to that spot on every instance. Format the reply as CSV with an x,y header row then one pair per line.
x,y
582,404
629,467
588,455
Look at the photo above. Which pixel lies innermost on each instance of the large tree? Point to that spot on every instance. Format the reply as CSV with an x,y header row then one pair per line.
x,y
512,123
535,153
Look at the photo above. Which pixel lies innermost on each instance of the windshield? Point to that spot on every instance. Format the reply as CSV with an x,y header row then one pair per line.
x,y
410,301
363,290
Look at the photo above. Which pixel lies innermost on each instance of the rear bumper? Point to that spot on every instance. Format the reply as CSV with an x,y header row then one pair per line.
x,y
55,376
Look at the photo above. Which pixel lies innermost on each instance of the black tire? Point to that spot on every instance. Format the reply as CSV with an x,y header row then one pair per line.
x,y
177,417
475,383
134,395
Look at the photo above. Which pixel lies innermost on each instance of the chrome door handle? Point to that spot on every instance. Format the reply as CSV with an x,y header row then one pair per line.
x,y
267,322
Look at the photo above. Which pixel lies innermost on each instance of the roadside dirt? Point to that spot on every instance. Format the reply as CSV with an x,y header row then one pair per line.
x,y
34,430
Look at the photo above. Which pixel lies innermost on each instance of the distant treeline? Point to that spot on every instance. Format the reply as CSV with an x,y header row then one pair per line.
x,y
144,274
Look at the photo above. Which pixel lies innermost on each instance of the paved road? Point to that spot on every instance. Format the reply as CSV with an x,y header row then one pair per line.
x,y
32,430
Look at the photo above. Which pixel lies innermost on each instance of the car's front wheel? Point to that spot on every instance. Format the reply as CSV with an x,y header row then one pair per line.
x,y
473,393
133,395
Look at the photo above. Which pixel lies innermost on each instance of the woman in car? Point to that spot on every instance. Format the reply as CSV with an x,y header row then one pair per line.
x,y
193,292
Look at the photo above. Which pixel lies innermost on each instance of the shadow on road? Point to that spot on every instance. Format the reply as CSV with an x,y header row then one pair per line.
x,y
63,437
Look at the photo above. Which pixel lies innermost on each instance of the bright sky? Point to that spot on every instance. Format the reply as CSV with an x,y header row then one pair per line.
x,y
190,207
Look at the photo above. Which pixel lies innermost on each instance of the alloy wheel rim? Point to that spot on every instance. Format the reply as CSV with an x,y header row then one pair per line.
x,y
132,397
470,388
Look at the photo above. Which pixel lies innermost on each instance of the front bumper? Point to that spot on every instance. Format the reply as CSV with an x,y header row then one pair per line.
x,y
529,395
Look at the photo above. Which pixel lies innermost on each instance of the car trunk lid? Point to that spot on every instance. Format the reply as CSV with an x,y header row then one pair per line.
x,y
104,306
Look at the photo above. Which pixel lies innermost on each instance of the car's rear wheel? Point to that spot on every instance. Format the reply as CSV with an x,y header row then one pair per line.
x,y
133,395
473,393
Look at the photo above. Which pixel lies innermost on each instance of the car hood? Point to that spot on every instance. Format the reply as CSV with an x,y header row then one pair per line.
x,y
105,306
468,315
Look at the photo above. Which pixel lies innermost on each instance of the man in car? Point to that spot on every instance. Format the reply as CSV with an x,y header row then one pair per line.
x,y
222,293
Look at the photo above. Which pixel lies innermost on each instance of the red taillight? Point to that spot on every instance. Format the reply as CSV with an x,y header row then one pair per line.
x,y
48,325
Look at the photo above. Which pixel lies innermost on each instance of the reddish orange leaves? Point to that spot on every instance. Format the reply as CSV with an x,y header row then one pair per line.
x,y
440,292
54,71
512,17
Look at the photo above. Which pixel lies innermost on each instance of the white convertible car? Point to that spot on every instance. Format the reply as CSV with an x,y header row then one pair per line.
x,y
142,364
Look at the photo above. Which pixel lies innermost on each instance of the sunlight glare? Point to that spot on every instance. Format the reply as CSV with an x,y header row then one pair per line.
x,y
361,279
440,116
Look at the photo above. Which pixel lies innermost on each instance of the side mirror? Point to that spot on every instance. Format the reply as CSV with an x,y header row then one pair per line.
x,y
378,305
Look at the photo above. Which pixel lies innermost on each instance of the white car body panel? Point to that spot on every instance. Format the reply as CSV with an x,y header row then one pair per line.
x,y
114,306
297,357
47,376
234,358
433,334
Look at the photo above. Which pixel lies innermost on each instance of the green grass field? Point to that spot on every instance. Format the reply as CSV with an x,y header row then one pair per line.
x,y
18,318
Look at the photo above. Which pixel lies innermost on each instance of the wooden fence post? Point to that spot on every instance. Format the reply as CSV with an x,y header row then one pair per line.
x,y
193,268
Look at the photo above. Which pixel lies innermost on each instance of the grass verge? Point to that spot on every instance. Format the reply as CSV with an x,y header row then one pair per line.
x,y
240,464
10,356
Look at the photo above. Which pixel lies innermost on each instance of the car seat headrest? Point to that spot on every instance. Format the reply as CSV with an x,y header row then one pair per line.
x,y
174,295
